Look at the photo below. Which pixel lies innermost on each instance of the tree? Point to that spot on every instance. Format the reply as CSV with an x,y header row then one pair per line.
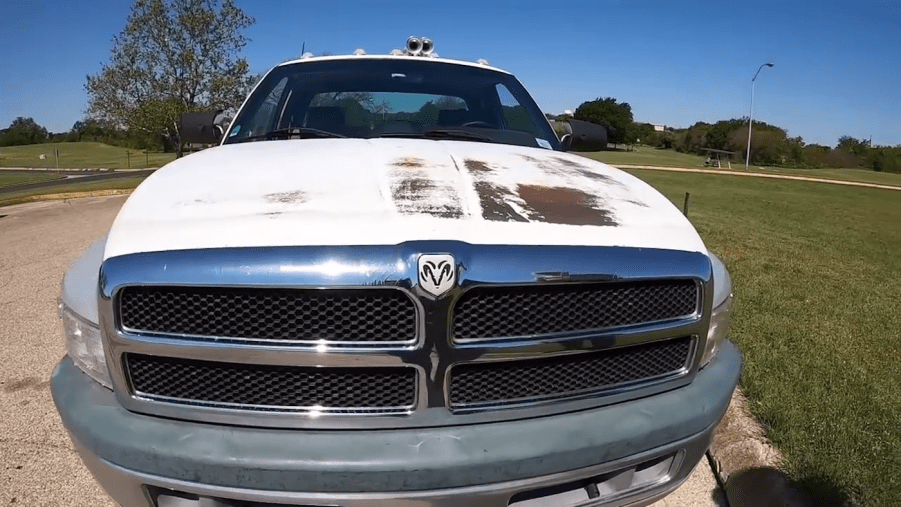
x,y
853,146
23,131
173,56
427,114
608,112
448,103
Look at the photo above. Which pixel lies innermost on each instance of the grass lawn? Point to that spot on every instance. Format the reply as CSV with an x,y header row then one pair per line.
x,y
17,177
817,315
80,155
69,190
861,175
646,155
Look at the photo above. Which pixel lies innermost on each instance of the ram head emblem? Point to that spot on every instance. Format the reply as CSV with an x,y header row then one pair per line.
x,y
437,273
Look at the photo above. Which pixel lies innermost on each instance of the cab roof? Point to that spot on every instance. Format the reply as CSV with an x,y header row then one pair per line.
x,y
307,59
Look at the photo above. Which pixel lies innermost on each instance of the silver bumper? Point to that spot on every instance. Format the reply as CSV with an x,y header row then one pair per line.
x,y
135,457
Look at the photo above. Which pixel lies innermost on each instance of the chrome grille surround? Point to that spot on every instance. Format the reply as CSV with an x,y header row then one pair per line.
x,y
432,355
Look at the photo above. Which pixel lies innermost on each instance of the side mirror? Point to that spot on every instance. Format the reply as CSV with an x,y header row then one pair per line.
x,y
585,136
199,128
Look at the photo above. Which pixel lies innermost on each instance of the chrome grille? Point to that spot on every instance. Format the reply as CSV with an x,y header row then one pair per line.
x,y
497,383
512,311
272,387
374,351
285,315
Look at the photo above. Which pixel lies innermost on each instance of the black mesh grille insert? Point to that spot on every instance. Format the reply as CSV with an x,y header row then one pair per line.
x,y
497,312
558,377
271,386
370,315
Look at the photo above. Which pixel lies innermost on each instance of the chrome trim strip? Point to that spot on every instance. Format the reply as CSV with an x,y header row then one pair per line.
x,y
432,355
312,411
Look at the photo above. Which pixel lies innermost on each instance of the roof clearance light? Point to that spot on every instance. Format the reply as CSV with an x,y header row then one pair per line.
x,y
427,46
419,46
482,61
359,52
306,55
414,46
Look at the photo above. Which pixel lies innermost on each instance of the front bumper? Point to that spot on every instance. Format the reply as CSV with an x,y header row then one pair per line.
x,y
132,454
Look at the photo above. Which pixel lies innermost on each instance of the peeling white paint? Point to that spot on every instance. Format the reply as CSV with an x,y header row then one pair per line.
x,y
343,192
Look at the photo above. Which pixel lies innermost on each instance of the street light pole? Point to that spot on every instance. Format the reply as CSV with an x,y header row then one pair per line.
x,y
751,114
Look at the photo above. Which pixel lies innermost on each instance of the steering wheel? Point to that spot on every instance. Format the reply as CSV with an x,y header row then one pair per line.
x,y
479,123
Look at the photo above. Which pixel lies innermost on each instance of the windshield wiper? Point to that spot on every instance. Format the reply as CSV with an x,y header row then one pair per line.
x,y
291,133
441,134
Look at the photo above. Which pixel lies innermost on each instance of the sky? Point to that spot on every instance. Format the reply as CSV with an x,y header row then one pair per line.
x,y
837,65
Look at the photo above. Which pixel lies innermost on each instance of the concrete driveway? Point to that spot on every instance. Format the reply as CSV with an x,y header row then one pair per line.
x,y
40,466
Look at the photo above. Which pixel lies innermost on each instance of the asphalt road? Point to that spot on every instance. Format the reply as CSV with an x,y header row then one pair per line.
x,y
40,466
73,178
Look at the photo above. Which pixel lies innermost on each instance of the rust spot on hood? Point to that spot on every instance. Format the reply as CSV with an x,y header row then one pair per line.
x,y
293,197
409,162
477,166
415,195
493,198
411,188
559,205
494,202
560,166
598,177
568,163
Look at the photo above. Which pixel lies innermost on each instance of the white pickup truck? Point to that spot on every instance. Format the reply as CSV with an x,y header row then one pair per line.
x,y
390,284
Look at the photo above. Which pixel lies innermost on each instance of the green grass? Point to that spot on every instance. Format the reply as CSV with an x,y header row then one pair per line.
x,y
860,175
646,155
84,188
17,177
818,318
80,155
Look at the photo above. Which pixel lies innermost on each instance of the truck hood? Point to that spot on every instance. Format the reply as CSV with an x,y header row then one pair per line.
x,y
388,191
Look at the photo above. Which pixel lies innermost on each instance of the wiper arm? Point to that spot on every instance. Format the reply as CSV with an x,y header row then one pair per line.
x,y
441,134
291,133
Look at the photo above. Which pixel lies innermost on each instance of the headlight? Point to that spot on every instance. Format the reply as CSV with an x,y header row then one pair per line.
x,y
85,345
722,302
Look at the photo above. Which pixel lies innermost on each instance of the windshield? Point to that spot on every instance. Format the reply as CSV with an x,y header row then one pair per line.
x,y
391,97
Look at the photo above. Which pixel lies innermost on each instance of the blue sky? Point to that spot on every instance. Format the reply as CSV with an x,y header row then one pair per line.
x,y
837,64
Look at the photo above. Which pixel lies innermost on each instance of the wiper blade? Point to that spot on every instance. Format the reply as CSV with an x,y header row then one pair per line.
x,y
455,134
441,134
291,133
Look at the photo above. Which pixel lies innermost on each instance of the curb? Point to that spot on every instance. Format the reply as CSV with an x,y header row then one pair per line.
x,y
746,466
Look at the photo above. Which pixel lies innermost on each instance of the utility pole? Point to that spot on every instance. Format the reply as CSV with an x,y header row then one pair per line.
x,y
751,113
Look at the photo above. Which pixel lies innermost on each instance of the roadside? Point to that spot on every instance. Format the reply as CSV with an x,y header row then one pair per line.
x,y
40,466
760,175
93,186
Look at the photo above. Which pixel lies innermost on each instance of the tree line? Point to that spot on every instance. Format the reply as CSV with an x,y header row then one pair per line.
x,y
770,145
177,56
24,131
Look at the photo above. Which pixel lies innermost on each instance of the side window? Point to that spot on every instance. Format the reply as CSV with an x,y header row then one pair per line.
x,y
516,116
264,118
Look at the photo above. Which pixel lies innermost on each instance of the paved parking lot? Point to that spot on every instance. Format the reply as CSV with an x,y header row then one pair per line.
x,y
40,466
